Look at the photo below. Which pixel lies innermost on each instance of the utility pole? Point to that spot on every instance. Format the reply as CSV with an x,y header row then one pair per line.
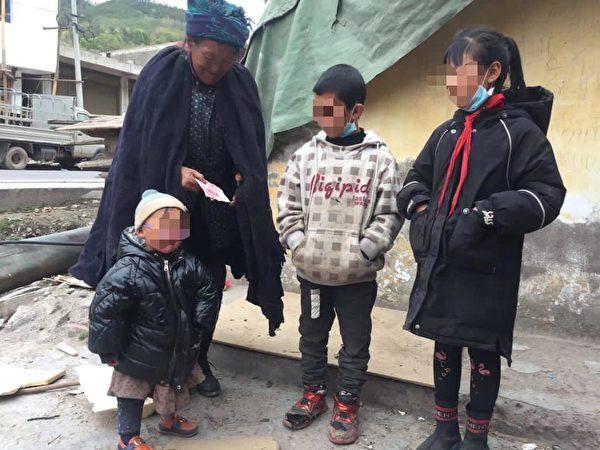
x,y
57,69
77,56
3,36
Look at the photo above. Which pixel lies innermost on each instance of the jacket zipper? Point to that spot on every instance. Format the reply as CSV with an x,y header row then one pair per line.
x,y
175,304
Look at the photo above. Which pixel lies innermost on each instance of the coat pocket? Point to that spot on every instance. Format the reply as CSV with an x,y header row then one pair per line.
x,y
473,246
417,234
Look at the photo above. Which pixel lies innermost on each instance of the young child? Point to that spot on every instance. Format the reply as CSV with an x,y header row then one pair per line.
x,y
338,216
147,316
485,178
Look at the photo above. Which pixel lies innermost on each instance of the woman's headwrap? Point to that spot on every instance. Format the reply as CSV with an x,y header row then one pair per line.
x,y
217,20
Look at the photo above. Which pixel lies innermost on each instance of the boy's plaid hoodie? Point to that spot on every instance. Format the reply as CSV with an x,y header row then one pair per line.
x,y
337,209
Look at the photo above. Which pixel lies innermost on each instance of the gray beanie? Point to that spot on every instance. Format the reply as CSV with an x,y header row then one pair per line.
x,y
152,201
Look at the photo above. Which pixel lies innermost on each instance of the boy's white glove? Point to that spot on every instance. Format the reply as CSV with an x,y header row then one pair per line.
x,y
295,239
369,248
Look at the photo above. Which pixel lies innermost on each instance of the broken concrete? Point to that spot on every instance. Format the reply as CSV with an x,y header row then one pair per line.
x,y
593,366
10,304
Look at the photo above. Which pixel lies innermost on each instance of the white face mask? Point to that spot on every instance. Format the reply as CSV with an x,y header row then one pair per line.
x,y
350,128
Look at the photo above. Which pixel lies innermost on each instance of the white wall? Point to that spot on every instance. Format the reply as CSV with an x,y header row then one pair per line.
x,y
28,46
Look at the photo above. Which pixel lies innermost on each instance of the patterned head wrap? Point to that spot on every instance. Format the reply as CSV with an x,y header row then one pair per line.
x,y
217,20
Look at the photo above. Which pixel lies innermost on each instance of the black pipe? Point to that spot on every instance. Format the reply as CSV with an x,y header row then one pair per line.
x,y
59,244
23,262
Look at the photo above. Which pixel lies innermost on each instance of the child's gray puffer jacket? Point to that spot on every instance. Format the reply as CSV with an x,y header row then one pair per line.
x,y
149,312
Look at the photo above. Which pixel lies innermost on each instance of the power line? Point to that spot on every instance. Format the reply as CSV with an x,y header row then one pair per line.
x,y
55,11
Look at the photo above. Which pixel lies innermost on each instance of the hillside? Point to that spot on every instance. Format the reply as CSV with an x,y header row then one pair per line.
x,y
119,24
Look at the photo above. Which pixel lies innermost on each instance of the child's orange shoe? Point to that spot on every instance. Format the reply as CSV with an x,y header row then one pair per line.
x,y
179,427
135,443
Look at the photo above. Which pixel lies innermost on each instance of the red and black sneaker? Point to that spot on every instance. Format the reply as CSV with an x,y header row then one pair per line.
x,y
307,409
343,427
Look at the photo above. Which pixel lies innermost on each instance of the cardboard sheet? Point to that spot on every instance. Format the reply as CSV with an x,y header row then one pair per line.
x,y
395,353
243,443
12,378
95,381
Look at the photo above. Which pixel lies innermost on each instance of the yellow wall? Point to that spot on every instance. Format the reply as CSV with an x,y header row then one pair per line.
x,y
560,47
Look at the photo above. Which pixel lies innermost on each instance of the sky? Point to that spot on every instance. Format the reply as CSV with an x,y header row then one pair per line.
x,y
254,8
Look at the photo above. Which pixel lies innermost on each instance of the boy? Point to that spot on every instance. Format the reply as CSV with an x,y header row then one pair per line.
x,y
338,216
147,318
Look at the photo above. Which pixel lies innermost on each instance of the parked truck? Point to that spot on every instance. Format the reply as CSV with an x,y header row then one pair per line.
x,y
19,144
28,125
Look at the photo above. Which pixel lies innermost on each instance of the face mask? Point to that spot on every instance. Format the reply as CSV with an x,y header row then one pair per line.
x,y
479,97
350,128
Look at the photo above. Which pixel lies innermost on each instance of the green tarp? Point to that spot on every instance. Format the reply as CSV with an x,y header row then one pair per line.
x,y
297,40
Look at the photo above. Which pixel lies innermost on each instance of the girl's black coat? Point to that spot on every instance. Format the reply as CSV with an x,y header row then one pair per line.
x,y
467,283
151,318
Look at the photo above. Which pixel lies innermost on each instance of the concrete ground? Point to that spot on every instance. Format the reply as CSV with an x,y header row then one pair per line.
x,y
249,407
548,399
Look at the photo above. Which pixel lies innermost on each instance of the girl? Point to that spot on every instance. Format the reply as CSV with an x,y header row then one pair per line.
x,y
484,179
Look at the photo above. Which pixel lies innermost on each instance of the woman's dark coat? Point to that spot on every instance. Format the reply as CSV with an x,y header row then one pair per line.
x,y
151,150
149,313
469,266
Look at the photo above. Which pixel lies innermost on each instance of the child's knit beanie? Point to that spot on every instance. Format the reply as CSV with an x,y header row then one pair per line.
x,y
152,201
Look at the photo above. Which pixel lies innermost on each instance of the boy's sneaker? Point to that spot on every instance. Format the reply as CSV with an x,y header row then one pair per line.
x,y
179,427
343,427
307,409
135,443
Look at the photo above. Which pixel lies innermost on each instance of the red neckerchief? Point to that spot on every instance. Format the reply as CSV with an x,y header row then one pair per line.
x,y
464,143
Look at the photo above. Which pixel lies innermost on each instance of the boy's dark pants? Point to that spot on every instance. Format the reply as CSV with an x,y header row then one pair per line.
x,y
129,418
352,304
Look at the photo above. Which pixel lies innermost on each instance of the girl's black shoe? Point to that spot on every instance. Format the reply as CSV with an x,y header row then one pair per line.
x,y
445,437
473,442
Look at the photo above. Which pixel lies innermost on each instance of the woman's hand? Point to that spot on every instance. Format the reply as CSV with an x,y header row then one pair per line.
x,y
190,178
238,179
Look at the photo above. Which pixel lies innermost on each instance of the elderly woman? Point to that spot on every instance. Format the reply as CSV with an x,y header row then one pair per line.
x,y
195,115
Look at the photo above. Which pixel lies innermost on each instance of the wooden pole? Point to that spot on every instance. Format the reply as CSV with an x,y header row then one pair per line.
x,y
49,387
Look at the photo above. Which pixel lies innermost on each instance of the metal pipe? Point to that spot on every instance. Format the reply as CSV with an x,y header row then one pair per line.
x,y
23,264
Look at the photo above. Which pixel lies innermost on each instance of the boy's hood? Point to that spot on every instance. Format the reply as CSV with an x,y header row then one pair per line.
x,y
535,103
371,140
131,245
